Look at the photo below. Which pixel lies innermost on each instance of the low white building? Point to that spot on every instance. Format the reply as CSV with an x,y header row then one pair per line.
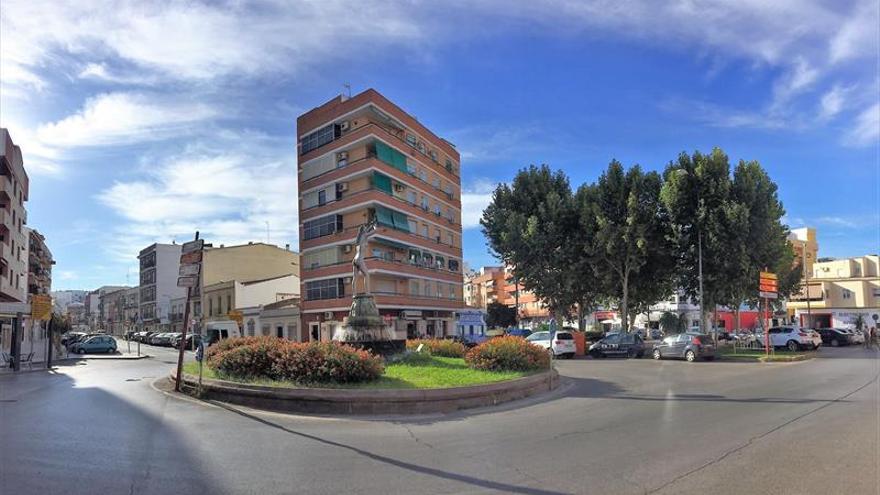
x,y
279,319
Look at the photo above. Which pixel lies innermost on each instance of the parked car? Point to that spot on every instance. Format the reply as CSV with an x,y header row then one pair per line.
x,y
162,339
98,343
656,334
519,332
856,336
618,344
216,331
562,345
835,337
71,337
689,346
794,339
189,341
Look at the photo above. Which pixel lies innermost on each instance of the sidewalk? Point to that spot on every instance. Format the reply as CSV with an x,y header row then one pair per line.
x,y
67,358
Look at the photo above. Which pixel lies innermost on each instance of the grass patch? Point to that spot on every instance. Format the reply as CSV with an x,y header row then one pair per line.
x,y
760,355
438,372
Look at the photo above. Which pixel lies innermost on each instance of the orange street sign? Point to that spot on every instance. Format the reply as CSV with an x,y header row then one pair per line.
x,y
768,288
769,275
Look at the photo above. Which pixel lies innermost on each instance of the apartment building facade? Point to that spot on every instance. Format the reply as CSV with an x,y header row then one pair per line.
x,y
838,292
362,159
242,264
14,239
39,264
159,269
485,287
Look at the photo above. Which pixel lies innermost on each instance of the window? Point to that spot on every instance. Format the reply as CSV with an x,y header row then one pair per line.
x,y
413,226
453,265
413,287
322,226
437,209
229,303
424,202
317,139
325,289
423,175
847,294
415,257
210,307
424,231
428,259
449,215
435,181
411,140
440,261
322,197
429,288
449,239
411,197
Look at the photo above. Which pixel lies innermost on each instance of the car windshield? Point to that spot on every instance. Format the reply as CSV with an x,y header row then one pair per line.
x,y
564,336
612,339
538,336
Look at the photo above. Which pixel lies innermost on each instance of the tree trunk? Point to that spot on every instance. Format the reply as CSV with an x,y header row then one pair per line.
x,y
581,323
624,310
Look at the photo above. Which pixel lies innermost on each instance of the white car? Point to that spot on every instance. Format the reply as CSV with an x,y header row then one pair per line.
x,y
563,343
858,337
794,339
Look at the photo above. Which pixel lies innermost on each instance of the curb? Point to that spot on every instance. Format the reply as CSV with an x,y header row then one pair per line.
x,y
372,401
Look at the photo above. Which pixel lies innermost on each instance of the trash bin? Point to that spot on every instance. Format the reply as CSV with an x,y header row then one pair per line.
x,y
580,343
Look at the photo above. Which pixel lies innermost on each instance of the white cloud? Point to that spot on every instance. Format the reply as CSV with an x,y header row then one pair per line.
x,y
123,118
857,36
474,199
832,102
866,130
227,191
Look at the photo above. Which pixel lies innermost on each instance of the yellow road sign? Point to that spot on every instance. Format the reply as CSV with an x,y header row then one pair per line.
x,y
41,307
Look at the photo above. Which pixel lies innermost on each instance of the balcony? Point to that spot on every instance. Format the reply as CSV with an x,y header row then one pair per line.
x,y
386,299
343,269
348,236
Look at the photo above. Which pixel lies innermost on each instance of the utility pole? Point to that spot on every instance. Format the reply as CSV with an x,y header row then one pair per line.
x,y
807,285
700,268
516,298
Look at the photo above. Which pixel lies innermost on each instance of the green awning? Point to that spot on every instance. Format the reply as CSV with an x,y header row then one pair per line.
x,y
384,217
401,222
391,156
382,182
390,243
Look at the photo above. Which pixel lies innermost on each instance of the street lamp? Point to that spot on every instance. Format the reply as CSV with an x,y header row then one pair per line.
x,y
807,283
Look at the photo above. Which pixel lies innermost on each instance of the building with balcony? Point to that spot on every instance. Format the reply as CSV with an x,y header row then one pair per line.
x,y
838,291
360,159
39,264
159,269
113,310
14,240
485,287
222,297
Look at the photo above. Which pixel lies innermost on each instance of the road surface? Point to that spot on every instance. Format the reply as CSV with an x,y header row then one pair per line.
x,y
614,426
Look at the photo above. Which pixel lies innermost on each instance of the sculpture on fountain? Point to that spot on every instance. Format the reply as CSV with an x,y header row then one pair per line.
x,y
365,328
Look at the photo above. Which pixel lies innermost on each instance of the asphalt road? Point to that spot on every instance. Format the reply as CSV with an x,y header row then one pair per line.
x,y
615,426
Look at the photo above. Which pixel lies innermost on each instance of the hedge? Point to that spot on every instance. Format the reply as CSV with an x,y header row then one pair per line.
x,y
508,353
439,347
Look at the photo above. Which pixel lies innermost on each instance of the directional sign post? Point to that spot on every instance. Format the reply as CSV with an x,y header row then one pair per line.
x,y
189,271
768,288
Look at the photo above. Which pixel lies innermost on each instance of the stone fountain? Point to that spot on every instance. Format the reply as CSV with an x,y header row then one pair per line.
x,y
365,328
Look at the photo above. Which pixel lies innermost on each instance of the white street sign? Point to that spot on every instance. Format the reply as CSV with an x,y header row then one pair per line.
x,y
188,270
187,281
191,246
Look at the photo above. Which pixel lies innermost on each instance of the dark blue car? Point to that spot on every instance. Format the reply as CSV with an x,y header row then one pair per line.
x,y
519,332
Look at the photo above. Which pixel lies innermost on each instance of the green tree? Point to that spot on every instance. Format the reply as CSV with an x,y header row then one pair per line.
x,y
696,194
629,233
500,315
673,323
528,226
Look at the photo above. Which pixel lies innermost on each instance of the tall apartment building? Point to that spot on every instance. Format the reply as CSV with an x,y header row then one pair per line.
x,y
39,264
838,292
360,159
159,269
14,185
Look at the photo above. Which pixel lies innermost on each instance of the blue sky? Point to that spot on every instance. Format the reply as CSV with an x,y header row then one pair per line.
x,y
142,121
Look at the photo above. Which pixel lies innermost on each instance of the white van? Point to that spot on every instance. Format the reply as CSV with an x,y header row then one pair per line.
x,y
216,331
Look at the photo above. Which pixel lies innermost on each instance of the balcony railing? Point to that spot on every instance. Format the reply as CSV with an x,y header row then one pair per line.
x,y
400,201
397,261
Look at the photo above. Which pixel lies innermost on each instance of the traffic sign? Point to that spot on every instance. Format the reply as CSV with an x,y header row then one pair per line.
x,y
235,316
191,246
41,307
188,270
765,287
187,281
769,295
191,258
769,275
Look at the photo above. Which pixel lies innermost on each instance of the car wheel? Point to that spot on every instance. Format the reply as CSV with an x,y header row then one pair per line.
x,y
835,343
793,346
80,351
656,354
690,356
640,354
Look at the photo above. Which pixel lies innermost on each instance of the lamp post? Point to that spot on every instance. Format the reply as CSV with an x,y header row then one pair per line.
x,y
807,282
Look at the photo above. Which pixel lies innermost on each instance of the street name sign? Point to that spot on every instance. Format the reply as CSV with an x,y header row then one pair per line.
x,y
187,281
191,258
41,307
189,270
192,246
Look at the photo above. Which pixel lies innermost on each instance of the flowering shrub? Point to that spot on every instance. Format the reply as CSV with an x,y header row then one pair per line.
x,y
277,359
316,362
439,347
507,354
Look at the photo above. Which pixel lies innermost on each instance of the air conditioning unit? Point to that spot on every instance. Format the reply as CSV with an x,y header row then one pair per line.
x,y
342,186
342,155
344,126
328,315
347,248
